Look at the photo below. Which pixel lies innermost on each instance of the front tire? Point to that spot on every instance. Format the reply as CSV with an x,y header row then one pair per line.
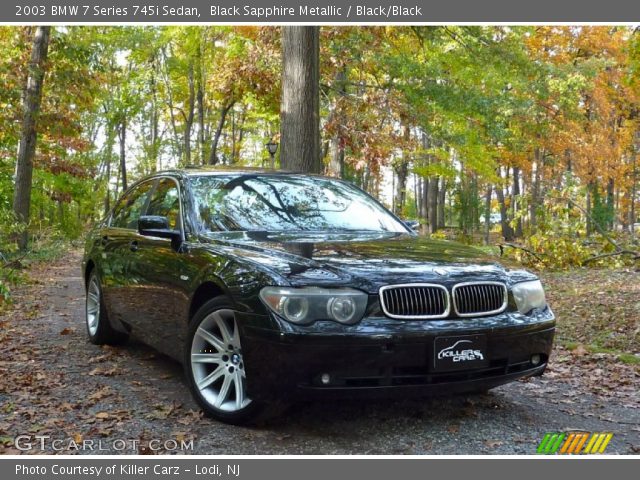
x,y
215,368
99,329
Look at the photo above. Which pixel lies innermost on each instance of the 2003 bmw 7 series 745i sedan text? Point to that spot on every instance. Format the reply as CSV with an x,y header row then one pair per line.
x,y
272,286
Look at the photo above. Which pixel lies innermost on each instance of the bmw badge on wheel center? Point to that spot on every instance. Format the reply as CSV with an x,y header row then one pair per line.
x,y
276,286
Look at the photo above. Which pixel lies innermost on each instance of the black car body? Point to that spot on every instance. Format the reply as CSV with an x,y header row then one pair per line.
x,y
417,316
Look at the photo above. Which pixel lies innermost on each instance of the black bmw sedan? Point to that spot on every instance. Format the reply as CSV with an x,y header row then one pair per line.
x,y
273,286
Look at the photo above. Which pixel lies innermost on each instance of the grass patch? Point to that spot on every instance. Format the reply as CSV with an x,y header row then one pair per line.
x,y
629,358
623,357
48,250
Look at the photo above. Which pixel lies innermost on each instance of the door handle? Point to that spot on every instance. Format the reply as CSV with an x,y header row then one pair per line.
x,y
133,246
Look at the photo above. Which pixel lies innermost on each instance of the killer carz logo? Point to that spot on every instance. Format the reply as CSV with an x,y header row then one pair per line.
x,y
457,352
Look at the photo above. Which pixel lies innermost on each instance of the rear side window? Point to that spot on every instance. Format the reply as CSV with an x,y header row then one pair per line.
x,y
129,208
165,202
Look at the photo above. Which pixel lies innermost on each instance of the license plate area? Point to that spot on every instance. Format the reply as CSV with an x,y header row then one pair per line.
x,y
467,352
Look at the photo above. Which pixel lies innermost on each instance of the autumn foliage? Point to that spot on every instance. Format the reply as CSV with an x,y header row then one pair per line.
x,y
451,125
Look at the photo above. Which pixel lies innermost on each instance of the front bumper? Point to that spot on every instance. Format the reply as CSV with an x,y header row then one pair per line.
x,y
380,357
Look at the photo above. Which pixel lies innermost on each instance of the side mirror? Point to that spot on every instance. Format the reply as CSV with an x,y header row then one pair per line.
x,y
157,226
412,224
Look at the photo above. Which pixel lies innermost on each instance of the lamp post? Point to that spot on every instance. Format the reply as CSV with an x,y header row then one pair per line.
x,y
272,148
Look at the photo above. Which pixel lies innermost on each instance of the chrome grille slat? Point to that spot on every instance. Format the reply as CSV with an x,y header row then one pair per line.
x,y
415,301
479,298
426,301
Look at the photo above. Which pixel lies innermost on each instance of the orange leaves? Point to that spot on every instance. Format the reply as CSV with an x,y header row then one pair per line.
x,y
589,108
563,44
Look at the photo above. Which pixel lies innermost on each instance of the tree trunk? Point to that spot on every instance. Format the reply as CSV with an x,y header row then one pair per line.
x,y
213,156
200,81
611,210
108,151
515,201
336,160
299,111
487,215
154,120
238,143
474,203
433,204
535,190
115,193
29,135
417,193
201,140
442,195
507,231
122,133
424,207
172,116
107,200
189,116
401,170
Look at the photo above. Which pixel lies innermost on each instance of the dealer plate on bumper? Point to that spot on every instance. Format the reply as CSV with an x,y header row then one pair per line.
x,y
460,353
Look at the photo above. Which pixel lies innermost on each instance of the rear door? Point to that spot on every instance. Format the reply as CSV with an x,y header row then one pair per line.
x,y
117,241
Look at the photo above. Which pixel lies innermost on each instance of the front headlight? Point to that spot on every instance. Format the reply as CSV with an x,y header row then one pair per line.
x,y
306,305
529,295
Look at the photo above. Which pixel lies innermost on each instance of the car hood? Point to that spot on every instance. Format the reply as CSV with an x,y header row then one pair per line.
x,y
365,260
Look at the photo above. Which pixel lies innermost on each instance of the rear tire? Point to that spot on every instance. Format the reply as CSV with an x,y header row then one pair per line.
x,y
99,329
214,367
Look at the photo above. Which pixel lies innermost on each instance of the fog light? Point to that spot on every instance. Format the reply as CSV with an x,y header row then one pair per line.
x,y
325,379
535,359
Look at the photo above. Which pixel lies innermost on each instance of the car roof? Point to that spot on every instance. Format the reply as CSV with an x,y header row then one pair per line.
x,y
198,170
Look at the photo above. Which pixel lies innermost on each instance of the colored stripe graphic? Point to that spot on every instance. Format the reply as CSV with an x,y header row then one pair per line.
x,y
596,446
556,446
551,443
606,441
599,442
578,444
573,443
592,441
568,442
543,443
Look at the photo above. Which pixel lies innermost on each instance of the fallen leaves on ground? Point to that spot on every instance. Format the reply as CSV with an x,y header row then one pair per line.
x,y
597,307
162,411
106,371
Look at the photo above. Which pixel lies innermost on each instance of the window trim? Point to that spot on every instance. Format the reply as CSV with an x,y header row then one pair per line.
x,y
158,179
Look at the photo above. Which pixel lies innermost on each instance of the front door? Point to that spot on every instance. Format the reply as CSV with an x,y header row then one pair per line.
x,y
161,275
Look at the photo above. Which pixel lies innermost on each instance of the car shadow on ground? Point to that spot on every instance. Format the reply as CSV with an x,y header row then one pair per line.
x,y
331,416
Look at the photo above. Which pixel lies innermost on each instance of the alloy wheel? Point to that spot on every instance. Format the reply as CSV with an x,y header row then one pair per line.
x,y
217,364
93,305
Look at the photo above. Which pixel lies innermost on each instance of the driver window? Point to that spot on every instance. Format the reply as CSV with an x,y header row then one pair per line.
x,y
165,202
130,207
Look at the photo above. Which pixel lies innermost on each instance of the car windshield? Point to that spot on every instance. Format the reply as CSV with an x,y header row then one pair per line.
x,y
286,202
